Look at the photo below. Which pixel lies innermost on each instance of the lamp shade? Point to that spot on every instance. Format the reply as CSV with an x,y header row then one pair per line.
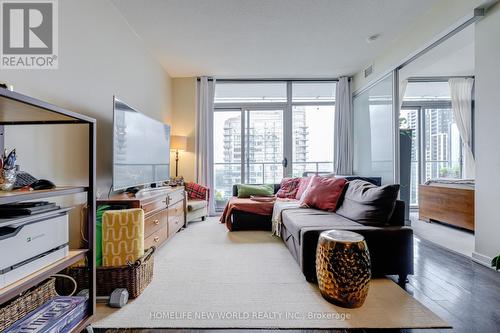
x,y
178,142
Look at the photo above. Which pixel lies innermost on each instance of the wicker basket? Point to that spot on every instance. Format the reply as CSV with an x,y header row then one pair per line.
x,y
134,277
27,302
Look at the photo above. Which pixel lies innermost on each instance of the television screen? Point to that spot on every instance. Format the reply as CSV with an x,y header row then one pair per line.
x,y
141,148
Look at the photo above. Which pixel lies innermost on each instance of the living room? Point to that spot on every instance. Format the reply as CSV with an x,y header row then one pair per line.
x,y
275,130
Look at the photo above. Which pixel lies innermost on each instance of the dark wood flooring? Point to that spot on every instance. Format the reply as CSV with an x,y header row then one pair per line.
x,y
462,292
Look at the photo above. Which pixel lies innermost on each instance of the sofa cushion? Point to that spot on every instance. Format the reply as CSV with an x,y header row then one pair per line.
x,y
288,188
304,182
195,204
296,219
324,193
368,204
248,190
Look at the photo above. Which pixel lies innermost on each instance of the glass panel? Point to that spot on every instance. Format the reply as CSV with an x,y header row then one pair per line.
x,y
312,141
250,92
313,91
373,131
442,145
227,154
427,91
264,146
408,120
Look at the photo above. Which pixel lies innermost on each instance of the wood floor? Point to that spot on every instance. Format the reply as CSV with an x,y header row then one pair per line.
x,y
462,292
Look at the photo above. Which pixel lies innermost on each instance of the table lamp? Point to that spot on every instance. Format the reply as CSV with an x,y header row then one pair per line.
x,y
178,143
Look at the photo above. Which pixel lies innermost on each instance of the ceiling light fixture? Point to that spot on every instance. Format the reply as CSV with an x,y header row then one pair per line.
x,y
372,38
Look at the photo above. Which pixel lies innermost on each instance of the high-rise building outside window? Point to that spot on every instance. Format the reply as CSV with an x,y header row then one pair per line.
x,y
263,133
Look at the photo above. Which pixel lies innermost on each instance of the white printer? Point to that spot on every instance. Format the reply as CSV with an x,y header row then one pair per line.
x,y
31,244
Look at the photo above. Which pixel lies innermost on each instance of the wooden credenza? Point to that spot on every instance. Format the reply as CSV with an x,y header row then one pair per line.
x,y
164,212
454,206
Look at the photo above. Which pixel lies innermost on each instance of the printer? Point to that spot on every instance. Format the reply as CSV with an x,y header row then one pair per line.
x,y
31,244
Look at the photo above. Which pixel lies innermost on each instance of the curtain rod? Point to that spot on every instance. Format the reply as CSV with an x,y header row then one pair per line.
x,y
438,78
274,80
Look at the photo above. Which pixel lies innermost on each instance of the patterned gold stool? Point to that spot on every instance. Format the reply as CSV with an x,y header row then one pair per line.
x,y
343,268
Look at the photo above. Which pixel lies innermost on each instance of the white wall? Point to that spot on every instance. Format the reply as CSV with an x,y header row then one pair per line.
x,y
99,55
183,123
487,55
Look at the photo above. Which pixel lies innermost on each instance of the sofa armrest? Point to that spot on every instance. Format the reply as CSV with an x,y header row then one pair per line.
x,y
398,215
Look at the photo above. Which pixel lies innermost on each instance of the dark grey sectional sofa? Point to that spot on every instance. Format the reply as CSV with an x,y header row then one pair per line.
x,y
390,243
390,246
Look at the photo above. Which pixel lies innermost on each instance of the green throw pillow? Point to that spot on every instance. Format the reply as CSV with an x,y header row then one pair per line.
x,y
246,190
98,233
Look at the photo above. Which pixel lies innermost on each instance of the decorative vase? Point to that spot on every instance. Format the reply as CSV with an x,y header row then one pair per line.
x,y
8,179
343,268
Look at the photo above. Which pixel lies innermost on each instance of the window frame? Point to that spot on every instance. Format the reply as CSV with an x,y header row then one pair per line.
x,y
287,108
422,106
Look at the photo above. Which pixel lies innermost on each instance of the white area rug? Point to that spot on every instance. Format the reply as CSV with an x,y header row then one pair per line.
x,y
207,277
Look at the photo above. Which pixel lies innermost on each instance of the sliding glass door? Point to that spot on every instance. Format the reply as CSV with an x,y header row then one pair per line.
x,y
436,150
374,140
263,141
264,131
227,153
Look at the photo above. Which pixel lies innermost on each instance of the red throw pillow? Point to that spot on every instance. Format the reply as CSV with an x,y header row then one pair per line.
x,y
304,181
324,193
288,188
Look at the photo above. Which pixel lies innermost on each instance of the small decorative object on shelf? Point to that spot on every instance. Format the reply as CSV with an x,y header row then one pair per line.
x,y
7,86
343,268
8,166
176,181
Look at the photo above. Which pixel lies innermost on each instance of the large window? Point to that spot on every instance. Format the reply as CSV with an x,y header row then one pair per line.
x,y
436,144
265,130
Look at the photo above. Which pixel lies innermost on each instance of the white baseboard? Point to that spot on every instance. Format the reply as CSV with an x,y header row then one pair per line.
x,y
482,259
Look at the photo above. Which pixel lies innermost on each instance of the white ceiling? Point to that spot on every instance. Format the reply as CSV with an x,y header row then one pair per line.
x,y
268,38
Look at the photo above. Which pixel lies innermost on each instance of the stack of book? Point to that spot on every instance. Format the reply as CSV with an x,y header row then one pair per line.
x,y
26,208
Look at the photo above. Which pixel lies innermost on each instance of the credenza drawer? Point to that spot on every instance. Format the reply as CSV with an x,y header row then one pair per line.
x,y
154,206
175,197
156,221
175,218
156,238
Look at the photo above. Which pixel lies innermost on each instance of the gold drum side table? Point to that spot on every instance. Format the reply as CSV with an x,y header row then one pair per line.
x,y
343,268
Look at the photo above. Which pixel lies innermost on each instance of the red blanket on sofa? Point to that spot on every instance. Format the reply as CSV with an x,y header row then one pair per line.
x,y
245,205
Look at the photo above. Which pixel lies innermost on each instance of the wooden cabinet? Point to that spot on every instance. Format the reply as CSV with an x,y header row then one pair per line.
x,y
164,212
454,206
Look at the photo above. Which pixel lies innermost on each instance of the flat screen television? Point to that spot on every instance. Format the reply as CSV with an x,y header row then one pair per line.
x,y
141,148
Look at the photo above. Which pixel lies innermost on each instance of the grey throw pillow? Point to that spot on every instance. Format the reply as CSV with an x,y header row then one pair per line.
x,y
367,203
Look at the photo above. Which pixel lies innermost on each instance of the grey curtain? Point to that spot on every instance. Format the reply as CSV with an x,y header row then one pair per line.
x,y
343,154
204,137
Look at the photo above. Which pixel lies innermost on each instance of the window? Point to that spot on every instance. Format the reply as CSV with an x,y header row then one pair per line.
x,y
436,145
262,133
250,92
312,138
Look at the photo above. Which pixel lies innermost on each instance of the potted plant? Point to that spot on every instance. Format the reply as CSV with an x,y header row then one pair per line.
x,y
220,202
495,263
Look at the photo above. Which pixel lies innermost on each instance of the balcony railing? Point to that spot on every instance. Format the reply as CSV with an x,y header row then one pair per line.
x,y
227,174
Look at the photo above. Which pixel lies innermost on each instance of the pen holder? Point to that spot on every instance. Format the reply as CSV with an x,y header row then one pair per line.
x,y
8,179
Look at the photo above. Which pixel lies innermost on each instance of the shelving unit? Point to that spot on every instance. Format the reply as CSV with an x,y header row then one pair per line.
x,y
19,109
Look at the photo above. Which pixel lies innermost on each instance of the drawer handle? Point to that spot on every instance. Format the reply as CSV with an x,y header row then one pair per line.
x,y
156,222
156,239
